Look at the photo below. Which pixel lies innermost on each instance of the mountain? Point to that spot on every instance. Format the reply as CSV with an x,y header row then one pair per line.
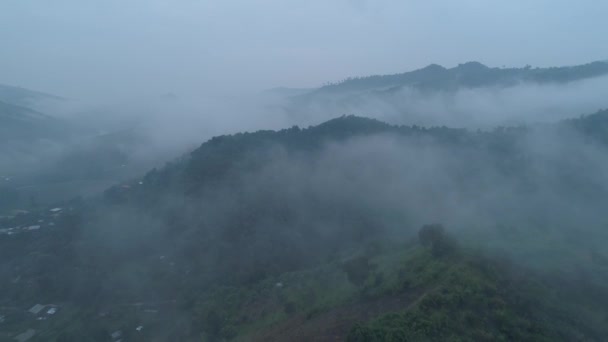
x,y
44,159
21,123
353,230
468,95
25,97
21,118
467,75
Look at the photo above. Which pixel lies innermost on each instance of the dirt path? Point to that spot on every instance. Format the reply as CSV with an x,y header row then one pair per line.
x,y
335,324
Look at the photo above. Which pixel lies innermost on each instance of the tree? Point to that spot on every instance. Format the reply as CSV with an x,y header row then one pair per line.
x,y
434,236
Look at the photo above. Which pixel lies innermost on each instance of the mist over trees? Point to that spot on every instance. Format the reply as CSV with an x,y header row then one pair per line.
x,y
469,95
348,170
244,211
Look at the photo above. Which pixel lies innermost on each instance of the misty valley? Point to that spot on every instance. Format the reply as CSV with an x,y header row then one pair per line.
x,y
450,207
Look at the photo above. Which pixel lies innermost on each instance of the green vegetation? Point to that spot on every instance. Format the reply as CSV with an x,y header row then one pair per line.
x,y
476,299
286,236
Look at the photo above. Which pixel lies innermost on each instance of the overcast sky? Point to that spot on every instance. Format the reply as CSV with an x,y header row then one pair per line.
x,y
92,48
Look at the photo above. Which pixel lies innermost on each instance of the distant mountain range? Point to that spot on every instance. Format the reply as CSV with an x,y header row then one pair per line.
x,y
467,75
468,95
24,97
21,117
22,123
43,157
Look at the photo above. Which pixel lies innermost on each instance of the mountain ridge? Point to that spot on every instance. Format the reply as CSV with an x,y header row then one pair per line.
x,y
23,96
471,74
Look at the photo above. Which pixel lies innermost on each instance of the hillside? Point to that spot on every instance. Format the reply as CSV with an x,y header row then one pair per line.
x,y
327,233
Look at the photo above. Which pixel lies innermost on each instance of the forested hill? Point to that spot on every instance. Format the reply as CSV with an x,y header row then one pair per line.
x,y
468,75
353,229
229,155
226,155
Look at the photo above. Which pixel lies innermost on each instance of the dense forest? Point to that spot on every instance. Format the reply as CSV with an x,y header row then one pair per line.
x,y
353,230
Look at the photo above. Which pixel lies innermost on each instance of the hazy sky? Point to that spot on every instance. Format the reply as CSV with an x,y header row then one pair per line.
x,y
91,48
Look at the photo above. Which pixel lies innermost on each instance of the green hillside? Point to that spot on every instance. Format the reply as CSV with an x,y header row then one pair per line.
x,y
329,233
